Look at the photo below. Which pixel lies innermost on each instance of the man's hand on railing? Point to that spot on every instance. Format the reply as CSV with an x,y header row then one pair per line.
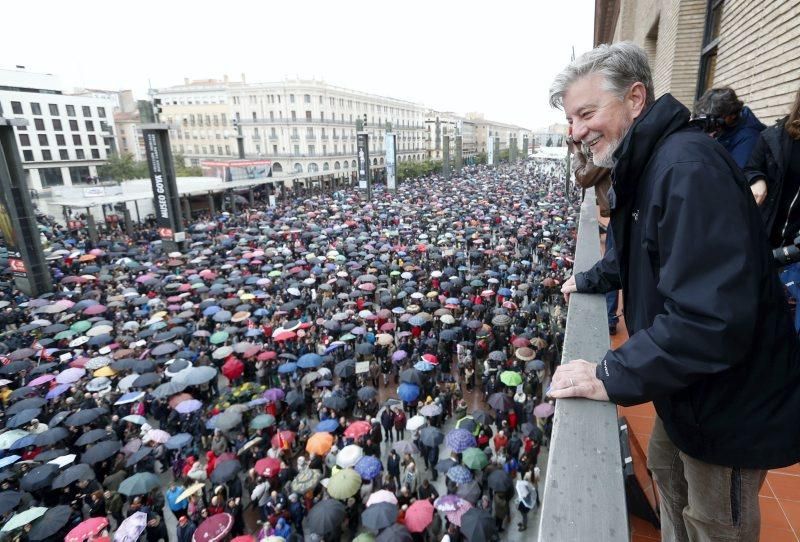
x,y
577,379
569,287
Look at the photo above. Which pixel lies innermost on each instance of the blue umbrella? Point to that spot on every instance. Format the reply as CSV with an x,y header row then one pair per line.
x,y
459,474
288,367
309,361
368,467
459,440
24,442
417,321
505,292
212,310
408,392
424,366
327,426
333,346
9,460
176,442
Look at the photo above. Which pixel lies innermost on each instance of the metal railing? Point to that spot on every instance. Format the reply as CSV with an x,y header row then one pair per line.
x,y
584,491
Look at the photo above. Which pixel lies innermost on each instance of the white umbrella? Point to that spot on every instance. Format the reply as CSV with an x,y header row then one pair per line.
x,y
127,382
64,460
349,456
415,422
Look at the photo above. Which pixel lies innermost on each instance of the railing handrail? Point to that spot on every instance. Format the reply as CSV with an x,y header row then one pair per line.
x,y
584,490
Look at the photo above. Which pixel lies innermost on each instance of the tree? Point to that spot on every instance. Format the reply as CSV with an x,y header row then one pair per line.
x,y
182,170
122,167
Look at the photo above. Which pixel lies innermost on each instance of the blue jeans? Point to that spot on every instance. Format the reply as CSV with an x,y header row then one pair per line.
x,y
612,298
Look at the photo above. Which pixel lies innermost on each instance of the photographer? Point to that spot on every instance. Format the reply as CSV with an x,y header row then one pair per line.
x,y
725,118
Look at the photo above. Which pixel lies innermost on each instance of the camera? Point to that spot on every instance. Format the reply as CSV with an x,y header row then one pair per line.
x,y
788,254
708,123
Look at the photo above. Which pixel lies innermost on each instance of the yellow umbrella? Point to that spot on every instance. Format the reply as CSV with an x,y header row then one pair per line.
x,y
344,484
105,371
189,491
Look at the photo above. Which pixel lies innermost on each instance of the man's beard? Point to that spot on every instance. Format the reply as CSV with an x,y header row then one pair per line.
x,y
606,159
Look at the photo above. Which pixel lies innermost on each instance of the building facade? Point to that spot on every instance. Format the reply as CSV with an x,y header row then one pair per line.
x,y
300,126
66,137
486,130
440,123
694,45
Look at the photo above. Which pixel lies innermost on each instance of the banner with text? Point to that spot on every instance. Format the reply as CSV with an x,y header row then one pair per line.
x,y
161,188
390,144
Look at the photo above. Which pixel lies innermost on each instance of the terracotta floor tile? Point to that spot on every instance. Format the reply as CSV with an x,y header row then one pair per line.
x,y
639,425
645,410
791,469
784,486
643,538
773,534
642,527
766,490
772,514
792,511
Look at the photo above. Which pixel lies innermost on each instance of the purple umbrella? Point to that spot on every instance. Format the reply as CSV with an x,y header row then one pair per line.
x,y
39,380
68,376
190,405
132,528
544,410
58,390
95,310
459,440
399,355
273,395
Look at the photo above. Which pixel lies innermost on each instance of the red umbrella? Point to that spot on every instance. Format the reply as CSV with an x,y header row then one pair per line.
x,y
87,530
282,439
93,310
520,342
244,538
251,352
214,528
233,368
430,358
357,429
175,400
388,326
268,466
419,515
266,356
284,336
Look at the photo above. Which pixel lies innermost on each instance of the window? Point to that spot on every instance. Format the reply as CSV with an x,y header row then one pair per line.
x,y
36,109
57,125
308,115
92,139
291,98
320,99
101,112
307,98
89,126
46,155
80,174
43,140
39,124
274,149
219,150
297,149
322,115
63,154
87,111
228,150
96,154
24,140
27,155
311,150
60,140
223,119
51,176
53,109
79,154
708,54
294,115
255,117
272,115
70,110
16,108
76,139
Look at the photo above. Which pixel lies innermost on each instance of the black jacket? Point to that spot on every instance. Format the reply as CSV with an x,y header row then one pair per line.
x,y
770,160
711,338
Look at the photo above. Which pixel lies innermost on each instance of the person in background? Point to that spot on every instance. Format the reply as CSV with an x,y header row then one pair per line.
x,y
730,122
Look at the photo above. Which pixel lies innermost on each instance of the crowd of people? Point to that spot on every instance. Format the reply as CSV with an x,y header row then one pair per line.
x,y
327,368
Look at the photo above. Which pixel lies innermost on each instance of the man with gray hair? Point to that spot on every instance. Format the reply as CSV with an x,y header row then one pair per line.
x,y
711,339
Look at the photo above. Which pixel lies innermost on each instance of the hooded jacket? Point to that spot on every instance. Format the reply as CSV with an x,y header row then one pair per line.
x,y
740,138
711,339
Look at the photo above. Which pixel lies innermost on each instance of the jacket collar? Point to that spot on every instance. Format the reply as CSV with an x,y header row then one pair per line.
x,y
664,117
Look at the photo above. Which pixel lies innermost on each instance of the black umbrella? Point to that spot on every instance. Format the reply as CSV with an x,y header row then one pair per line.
x,y
42,368
325,519
9,500
91,437
411,376
336,402
500,401
470,491
477,525
395,533
531,431
483,417
51,436
15,367
50,523
58,418
295,400
39,478
500,481
23,417
81,471
164,349
84,417
379,516
25,404
147,379
345,369
365,349
24,391
445,465
431,436
226,471
100,451
49,455
367,393
138,455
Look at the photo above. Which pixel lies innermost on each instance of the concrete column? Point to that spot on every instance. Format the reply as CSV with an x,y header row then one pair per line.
x,y
211,207
252,195
126,215
91,226
446,157
187,211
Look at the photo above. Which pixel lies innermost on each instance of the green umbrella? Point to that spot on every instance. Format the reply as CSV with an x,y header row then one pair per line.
x,y
305,480
274,273
510,378
66,334
10,437
21,519
261,421
347,337
139,484
344,484
394,274
474,458
81,326
218,337
364,537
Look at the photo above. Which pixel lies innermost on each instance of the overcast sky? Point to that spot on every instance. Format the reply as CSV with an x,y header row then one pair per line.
x,y
494,56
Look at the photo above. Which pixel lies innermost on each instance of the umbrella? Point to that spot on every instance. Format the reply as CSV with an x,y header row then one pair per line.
x,y
448,503
499,480
188,406
335,402
500,402
213,529
138,455
367,393
268,466
176,442
415,422
261,421
544,410
20,519
357,429
131,528
87,530
8,438
411,376
273,394
189,491
328,426
381,495
405,447
84,417
477,525
510,378
50,437
226,471
483,417
325,518
344,484
139,484
158,436
408,392
9,500
431,409
394,533
319,443
309,361
455,516
349,456
194,376
25,404
368,467
474,458
419,515
145,380
459,474
39,477
379,516
459,440
470,491
23,417
81,471
50,523
445,465
306,480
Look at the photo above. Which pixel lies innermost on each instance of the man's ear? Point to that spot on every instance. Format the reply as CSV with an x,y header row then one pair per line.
x,y
637,98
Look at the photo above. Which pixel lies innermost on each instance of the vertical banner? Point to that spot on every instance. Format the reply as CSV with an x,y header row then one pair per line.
x,y
459,154
390,144
497,150
524,147
162,177
362,148
446,157
490,151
